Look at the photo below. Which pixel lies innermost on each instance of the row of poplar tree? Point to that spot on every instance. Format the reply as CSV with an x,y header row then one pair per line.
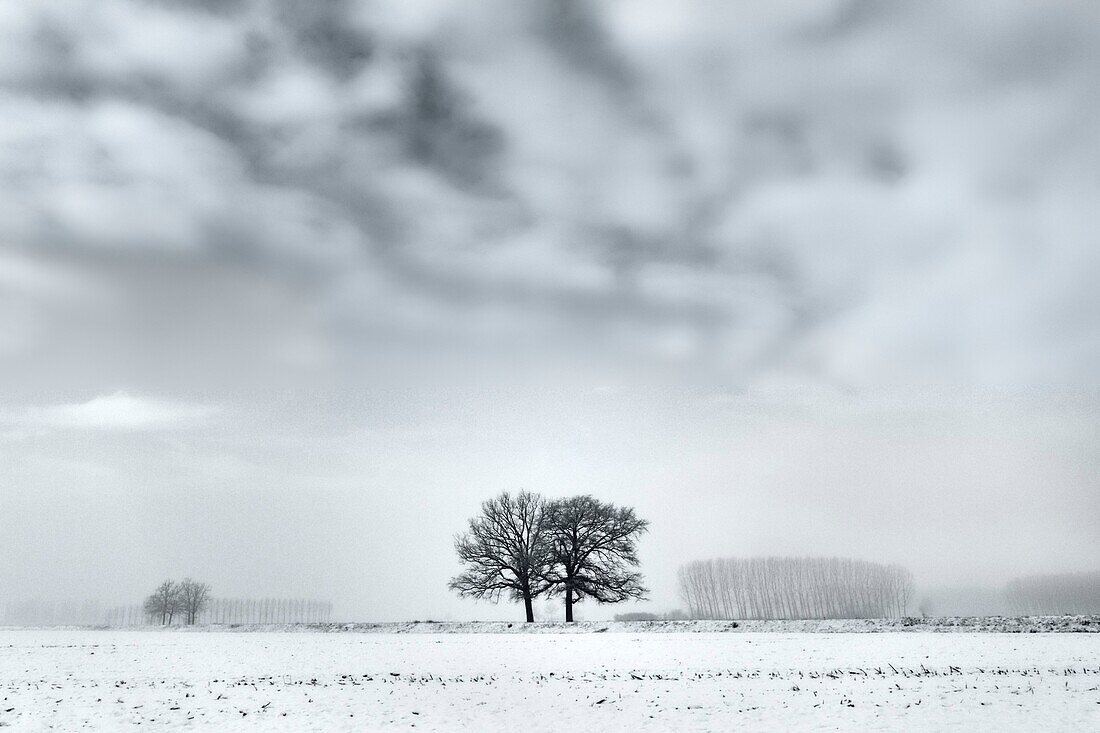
x,y
189,601
524,546
794,588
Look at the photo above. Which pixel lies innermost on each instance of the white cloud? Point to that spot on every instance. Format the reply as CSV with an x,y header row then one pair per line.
x,y
120,412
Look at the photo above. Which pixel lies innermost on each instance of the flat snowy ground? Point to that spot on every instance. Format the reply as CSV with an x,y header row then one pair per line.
x,y
68,680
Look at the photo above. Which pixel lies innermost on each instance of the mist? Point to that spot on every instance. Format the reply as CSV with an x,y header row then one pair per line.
x,y
288,289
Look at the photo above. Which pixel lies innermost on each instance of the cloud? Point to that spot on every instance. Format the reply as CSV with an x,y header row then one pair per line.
x,y
25,276
737,190
119,412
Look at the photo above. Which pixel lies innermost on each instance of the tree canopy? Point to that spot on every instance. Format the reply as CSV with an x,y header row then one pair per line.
x,y
593,551
505,551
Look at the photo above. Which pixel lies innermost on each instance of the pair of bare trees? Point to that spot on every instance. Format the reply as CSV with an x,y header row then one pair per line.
x,y
523,546
185,599
794,587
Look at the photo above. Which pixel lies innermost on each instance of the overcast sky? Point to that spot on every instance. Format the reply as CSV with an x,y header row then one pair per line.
x,y
287,288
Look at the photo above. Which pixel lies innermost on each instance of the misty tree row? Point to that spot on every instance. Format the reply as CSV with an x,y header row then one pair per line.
x,y
794,588
1047,595
233,611
189,602
43,612
524,546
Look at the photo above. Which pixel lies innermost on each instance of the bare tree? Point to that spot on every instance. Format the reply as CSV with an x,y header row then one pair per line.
x,y
163,603
593,550
194,597
504,551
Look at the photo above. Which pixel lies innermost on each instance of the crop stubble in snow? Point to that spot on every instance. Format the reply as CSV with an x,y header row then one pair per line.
x,y
108,680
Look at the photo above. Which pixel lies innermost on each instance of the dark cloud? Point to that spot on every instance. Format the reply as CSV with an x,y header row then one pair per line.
x,y
217,7
324,33
441,133
575,31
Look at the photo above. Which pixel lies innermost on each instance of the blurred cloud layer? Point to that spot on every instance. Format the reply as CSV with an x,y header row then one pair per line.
x,y
830,255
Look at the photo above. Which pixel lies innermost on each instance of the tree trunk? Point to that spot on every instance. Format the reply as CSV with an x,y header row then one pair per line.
x,y
569,605
528,608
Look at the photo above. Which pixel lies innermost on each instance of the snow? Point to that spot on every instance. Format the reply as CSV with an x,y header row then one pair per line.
x,y
709,680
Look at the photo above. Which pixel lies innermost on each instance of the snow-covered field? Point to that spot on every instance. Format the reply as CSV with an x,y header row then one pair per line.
x,y
111,680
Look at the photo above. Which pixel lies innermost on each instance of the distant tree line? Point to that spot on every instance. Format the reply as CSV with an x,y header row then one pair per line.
x,y
130,615
676,615
189,602
524,546
235,611
794,588
43,612
1050,595
268,611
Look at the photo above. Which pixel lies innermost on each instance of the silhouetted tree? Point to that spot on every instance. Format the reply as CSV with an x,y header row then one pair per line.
x,y
505,551
193,599
163,603
593,547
